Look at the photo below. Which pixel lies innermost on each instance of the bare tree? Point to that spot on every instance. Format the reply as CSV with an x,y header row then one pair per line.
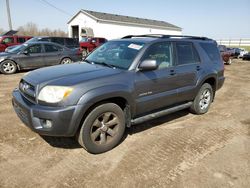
x,y
31,29
1,31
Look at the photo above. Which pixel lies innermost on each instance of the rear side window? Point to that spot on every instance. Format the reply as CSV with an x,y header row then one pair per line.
x,y
52,48
21,40
186,53
58,40
211,50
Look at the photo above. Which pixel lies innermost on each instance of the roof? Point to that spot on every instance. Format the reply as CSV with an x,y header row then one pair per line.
x,y
106,17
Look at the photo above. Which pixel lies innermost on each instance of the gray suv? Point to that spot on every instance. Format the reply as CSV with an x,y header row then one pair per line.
x,y
123,82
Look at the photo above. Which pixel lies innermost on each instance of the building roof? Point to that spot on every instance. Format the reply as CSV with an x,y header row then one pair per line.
x,y
106,17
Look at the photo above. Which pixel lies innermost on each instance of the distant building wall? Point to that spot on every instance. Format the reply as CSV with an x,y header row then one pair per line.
x,y
114,30
234,42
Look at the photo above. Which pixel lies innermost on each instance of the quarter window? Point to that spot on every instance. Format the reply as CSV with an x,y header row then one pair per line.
x,y
162,53
186,54
211,50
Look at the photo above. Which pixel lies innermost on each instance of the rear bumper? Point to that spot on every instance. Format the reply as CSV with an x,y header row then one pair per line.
x,y
65,120
220,82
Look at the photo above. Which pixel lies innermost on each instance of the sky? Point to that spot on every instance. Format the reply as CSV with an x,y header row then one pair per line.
x,y
218,19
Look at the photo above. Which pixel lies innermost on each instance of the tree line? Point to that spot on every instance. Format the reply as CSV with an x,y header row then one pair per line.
x,y
31,29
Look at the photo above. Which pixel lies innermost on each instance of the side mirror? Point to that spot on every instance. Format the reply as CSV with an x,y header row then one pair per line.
x,y
147,65
25,52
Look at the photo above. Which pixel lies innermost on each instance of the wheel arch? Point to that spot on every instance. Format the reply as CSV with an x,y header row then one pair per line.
x,y
18,66
121,101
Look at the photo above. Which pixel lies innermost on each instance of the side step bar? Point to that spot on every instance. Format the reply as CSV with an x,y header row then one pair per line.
x,y
160,113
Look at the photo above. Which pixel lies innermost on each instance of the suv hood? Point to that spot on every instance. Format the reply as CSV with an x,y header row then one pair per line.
x,y
69,74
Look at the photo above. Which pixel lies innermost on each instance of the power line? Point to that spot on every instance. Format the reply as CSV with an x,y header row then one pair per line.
x,y
53,6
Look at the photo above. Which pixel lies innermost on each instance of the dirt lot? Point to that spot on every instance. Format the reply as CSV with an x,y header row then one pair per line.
x,y
179,150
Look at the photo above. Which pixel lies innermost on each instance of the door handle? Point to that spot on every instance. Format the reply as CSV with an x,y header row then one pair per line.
x,y
172,72
198,68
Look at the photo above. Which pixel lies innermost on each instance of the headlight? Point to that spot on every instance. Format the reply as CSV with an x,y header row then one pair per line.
x,y
54,94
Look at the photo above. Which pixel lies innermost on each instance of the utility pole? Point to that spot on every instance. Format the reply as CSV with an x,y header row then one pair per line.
x,y
8,12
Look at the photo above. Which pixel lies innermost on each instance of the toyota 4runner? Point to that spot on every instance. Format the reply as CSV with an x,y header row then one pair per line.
x,y
123,82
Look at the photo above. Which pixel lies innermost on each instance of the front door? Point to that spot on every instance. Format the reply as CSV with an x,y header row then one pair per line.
x,y
156,89
32,57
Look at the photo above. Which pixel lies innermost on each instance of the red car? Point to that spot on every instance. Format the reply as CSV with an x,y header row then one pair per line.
x,y
6,41
225,54
87,44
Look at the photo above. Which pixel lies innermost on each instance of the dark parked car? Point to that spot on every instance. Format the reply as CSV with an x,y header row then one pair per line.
x,y
235,52
64,41
34,55
246,56
123,82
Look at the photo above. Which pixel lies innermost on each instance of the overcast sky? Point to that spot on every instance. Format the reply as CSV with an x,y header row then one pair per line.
x,y
212,18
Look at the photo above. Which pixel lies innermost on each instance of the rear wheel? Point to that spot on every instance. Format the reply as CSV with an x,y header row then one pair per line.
x,y
8,67
102,129
84,53
203,100
229,62
66,60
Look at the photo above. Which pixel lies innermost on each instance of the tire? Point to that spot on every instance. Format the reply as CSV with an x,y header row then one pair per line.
x,y
102,129
84,53
8,67
229,62
202,100
66,60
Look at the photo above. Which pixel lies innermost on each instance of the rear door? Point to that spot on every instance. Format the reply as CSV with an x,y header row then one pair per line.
x,y
156,89
52,54
188,67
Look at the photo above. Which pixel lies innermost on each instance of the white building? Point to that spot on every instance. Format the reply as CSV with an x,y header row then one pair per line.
x,y
111,26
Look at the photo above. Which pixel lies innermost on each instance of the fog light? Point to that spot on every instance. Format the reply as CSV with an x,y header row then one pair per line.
x,y
47,123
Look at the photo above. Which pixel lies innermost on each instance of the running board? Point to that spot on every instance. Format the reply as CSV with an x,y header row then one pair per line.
x,y
160,113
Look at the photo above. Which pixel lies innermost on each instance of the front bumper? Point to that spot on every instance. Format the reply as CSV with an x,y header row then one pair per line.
x,y
65,120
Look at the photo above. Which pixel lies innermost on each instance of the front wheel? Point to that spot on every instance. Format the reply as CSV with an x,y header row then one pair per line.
x,y
66,61
8,67
102,129
84,53
202,100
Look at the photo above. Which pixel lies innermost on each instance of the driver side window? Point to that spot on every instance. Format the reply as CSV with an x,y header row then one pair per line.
x,y
162,53
34,49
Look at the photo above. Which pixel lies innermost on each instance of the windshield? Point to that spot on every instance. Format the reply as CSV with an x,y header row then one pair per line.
x,y
18,48
84,39
118,54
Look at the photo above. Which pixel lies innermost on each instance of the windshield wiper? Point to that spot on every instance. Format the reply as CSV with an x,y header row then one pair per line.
x,y
87,61
105,64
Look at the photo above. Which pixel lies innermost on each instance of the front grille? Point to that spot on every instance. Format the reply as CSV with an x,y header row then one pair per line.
x,y
27,90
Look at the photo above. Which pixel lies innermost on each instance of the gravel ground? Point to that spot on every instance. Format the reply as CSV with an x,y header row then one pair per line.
x,y
178,150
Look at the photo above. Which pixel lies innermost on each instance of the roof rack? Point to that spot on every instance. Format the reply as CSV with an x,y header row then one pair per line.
x,y
166,36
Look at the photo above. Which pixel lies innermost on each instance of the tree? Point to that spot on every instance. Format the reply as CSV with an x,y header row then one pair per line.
x,y
31,29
